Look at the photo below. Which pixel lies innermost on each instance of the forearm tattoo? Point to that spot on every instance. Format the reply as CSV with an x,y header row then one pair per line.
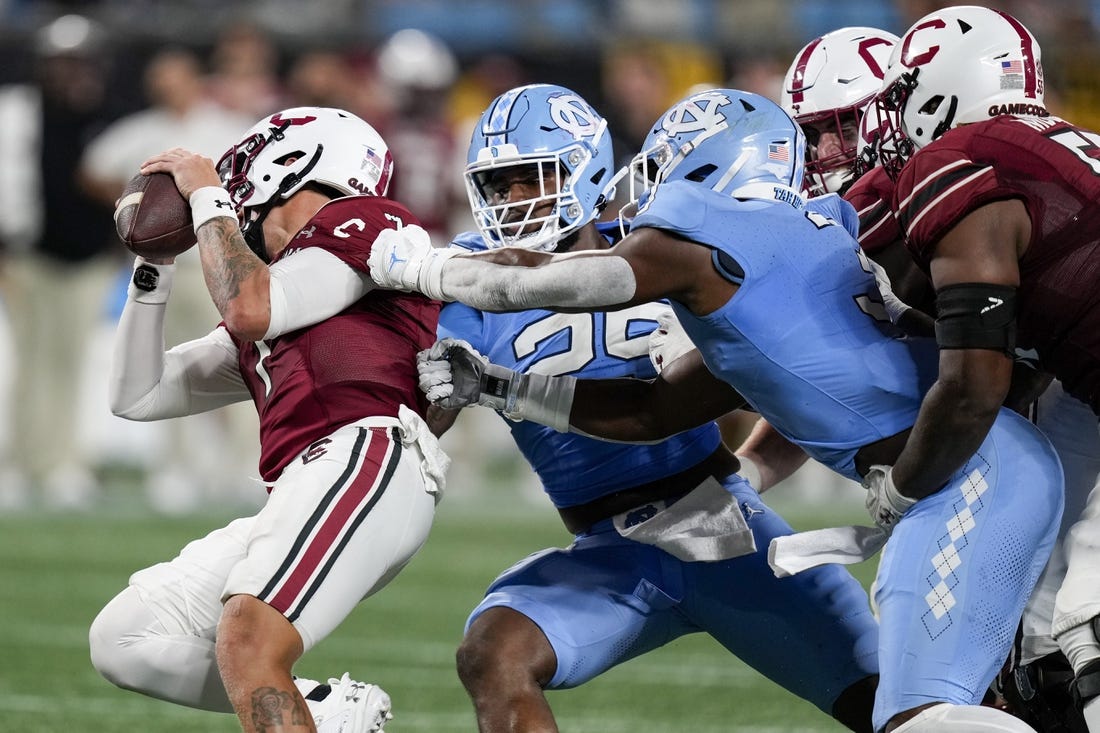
x,y
234,263
272,707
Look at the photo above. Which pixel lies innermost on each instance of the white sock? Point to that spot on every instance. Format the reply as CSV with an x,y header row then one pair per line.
x,y
946,717
1079,645
131,648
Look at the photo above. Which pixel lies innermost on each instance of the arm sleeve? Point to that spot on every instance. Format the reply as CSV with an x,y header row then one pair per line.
x,y
567,281
310,286
147,383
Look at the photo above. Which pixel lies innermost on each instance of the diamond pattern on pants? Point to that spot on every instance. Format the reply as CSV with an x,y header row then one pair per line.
x,y
953,542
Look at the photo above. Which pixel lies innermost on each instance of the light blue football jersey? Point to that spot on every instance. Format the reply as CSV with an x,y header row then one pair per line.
x,y
575,469
805,339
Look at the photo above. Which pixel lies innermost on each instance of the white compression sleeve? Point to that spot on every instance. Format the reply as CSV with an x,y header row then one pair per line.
x,y
147,383
310,286
580,280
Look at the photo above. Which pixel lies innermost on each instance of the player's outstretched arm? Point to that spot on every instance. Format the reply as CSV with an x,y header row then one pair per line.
x,y
645,266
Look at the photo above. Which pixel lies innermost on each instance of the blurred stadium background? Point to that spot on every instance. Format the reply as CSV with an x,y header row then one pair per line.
x,y
86,499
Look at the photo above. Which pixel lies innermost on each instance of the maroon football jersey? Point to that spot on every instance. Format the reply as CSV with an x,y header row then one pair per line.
x,y
359,363
871,195
1053,167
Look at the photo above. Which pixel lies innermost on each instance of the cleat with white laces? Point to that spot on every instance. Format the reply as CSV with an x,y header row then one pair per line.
x,y
345,706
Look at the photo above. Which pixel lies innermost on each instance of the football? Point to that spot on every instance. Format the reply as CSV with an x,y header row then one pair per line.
x,y
152,218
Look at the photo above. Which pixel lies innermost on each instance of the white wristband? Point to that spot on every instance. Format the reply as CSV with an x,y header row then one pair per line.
x,y
210,202
541,398
152,284
429,279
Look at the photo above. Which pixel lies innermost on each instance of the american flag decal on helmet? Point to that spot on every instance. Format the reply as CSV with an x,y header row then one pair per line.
x,y
780,152
1012,67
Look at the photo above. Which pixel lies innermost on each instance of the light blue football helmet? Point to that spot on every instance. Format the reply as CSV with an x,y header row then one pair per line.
x,y
560,139
737,143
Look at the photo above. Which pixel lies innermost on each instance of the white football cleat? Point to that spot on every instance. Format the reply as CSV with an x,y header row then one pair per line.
x,y
345,706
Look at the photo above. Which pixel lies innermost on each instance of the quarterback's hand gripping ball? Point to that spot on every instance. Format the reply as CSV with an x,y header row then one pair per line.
x,y
153,219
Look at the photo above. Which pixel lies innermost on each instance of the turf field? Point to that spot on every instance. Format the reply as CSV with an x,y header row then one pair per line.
x,y
58,570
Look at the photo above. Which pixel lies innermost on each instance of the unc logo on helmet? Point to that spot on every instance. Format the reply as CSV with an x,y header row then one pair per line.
x,y
698,113
735,143
572,114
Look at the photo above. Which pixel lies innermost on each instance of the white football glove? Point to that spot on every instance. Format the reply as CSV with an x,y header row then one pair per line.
x,y
668,342
885,505
894,305
404,259
453,375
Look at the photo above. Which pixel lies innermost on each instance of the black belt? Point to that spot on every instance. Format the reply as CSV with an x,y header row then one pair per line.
x,y
580,518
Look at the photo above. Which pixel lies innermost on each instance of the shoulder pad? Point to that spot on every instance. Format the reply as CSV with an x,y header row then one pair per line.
x,y
836,208
472,241
679,206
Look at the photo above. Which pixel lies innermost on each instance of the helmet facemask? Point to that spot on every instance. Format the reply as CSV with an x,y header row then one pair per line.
x,y
836,171
892,148
234,169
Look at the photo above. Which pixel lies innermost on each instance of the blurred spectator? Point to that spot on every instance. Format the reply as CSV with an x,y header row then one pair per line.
x,y
61,254
186,472
419,70
321,79
641,79
761,74
245,66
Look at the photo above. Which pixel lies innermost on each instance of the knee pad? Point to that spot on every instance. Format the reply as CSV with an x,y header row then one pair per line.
x,y
124,615
945,718
1040,693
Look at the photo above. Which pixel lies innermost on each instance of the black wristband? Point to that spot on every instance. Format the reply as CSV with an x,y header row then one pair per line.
x,y
146,278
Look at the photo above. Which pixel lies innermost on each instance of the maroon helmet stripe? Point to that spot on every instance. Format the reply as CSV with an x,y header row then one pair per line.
x,y
797,86
1031,75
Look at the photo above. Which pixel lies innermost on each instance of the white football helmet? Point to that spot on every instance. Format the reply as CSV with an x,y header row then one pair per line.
x,y
329,147
956,66
828,86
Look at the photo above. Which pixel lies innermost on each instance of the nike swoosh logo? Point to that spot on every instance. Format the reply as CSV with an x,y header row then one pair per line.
x,y
993,303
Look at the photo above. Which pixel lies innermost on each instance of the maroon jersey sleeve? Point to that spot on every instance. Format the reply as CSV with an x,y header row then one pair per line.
x,y
965,169
347,227
871,196
1053,167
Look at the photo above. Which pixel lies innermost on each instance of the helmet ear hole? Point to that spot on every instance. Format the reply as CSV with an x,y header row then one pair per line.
x,y
930,107
700,174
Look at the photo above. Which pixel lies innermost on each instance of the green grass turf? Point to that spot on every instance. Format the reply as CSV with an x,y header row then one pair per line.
x,y
56,571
